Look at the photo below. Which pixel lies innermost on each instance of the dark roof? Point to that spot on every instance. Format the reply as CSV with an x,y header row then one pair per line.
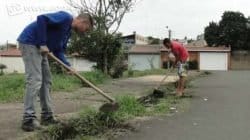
x,y
11,52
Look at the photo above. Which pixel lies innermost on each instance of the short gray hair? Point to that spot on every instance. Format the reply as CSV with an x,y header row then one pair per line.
x,y
88,17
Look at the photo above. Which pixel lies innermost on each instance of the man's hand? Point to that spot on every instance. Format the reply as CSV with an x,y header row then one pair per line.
x,y
72,71
44,49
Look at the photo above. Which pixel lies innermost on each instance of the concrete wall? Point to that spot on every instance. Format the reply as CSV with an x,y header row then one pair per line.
x,y
240,60
142,61
81,64
14,64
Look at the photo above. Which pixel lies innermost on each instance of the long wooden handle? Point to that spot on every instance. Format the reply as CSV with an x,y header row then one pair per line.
x,y
82,78
161,81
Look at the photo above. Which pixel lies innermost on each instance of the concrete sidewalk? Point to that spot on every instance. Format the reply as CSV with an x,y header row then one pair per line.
x,y
220,110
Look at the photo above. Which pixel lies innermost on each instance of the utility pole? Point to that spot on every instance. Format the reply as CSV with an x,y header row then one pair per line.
x,y
169,36
169,33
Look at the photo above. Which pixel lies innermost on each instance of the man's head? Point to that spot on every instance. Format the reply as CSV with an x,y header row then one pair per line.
x,y
83,23
167,43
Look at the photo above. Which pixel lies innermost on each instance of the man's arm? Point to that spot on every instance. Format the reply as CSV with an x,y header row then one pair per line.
x,y
49,19
177,58
61,56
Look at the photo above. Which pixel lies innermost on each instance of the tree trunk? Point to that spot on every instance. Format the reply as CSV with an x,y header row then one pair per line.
x,y
105,61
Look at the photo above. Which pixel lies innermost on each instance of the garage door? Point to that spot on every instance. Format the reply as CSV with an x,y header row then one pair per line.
x,y
213,61
144,61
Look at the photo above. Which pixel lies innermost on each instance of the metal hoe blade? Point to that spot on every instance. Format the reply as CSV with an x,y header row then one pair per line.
x,y
109,107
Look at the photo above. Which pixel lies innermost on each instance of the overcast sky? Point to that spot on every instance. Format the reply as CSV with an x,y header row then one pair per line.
x,y
149,17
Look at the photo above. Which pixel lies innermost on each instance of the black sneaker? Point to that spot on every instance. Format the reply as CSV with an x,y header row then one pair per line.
x,y
48,121
30,125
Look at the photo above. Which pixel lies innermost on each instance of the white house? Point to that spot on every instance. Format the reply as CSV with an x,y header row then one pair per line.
x,y
208,58
81,64
12,58
144,57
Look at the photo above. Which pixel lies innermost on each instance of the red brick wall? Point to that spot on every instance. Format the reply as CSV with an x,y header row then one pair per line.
x,y
193,56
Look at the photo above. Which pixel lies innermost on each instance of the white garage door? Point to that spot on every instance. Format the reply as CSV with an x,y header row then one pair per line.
x,y
144,61
213,61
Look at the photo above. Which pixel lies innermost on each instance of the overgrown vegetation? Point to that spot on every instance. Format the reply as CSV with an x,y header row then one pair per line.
x,y
2,67
193,65
12,85
92,123
232,30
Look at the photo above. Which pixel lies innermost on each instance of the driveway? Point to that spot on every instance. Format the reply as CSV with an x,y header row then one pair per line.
x,y
220,110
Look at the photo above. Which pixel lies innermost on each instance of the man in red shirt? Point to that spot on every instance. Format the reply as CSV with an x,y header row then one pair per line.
x,y
181,57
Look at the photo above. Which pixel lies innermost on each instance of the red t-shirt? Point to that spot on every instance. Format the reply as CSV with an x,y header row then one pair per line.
x,y
179,51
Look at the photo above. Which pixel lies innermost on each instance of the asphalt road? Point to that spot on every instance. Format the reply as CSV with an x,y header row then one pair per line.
x,y
220,110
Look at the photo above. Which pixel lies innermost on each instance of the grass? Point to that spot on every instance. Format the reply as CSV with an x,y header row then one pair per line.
x,y
69,82
137,73
12,85
129,108
91,124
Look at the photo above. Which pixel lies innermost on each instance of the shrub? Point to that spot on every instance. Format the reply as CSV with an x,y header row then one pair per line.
x,y
2,66
193,65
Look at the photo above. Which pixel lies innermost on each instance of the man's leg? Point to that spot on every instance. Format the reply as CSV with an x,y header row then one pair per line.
x,y
182,84
179,71
178,87
45,99
183,77
33,74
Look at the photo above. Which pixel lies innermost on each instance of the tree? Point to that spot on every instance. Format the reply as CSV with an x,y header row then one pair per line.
x,y
233,30
91,46
212,34
248,34
108,15
153,40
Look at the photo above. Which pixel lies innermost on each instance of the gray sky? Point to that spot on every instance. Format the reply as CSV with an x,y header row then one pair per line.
x,y
149,18
185,18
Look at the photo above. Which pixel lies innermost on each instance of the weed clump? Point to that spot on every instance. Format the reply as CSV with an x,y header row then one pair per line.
x,y
93,123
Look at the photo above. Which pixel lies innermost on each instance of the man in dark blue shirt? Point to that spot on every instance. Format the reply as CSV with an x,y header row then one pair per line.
x,y
49,33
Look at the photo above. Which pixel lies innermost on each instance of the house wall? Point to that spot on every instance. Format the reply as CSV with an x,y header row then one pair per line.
x,y
140,40
193,56
81,64
142,61
14,64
